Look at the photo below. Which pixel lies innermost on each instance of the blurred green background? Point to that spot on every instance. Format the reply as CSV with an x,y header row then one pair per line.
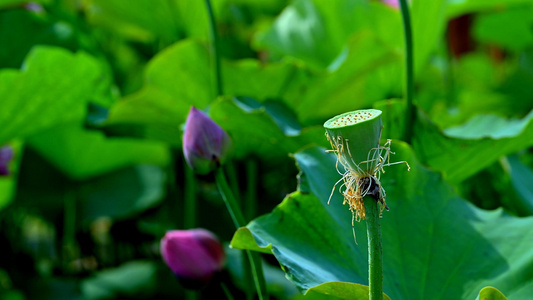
x,y
94,95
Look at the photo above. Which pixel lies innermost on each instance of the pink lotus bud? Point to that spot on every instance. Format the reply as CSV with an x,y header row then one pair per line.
x,y
194,255
6,154
205,144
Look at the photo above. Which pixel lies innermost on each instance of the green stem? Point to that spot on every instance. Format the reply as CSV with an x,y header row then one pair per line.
x,y
375,252
251,191
239,221
256,267
231,203
409,67
215,48
190,197
191,295
248,278
228,294
69,225
233,180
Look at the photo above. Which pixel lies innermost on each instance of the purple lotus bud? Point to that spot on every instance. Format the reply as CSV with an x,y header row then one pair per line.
x,y
6,154
194,255
205,144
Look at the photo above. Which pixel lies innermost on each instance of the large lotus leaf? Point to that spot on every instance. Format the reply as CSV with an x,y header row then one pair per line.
x,y
121,193
490,293
193,19
52,88
50,287
30,30
168,20
510,28
82,153
314,31
491,126
317,32
176,78
475,77
517,83
435,244
251,78
180,77
135,278
160,108
118,194
369,73
462,151
427,38
267,130
278,286
393,118
143,21
521,179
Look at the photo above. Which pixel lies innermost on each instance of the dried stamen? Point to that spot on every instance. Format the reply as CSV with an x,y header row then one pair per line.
x,y
358,183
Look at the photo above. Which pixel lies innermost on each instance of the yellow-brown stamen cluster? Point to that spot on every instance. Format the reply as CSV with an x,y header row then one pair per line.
x,y
357,182
354,198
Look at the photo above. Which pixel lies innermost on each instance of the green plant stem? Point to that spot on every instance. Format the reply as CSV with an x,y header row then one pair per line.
x,y
215,48
257,272
239,221
192,295
233,180
375,252
190,197
69,225
251,188
231,203
228,294
409,76
248,277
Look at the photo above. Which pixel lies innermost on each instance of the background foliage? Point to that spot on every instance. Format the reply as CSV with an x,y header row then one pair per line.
x,y
94,94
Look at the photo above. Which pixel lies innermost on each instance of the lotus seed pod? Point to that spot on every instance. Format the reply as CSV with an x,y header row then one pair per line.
x,y
353,136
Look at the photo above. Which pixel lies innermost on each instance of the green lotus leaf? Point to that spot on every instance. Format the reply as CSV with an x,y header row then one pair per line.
x,y
52,88
490,293
435,244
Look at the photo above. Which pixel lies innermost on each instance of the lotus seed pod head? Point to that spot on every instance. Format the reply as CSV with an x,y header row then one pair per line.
x,y
193,255
353,136
205,144
6,154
